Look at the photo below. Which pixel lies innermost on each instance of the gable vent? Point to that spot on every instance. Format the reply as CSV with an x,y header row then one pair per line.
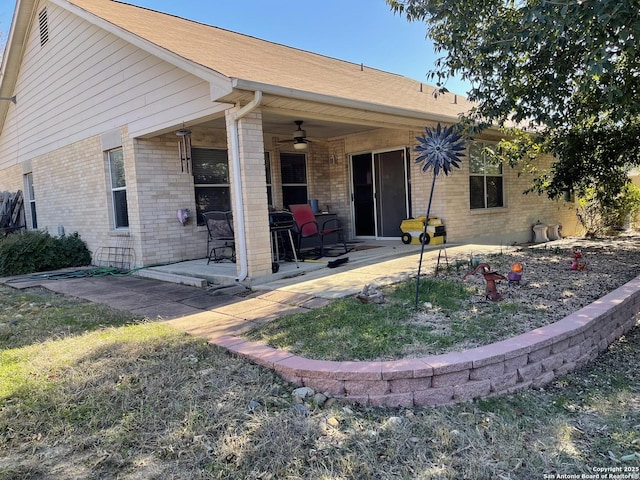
x,y
44,27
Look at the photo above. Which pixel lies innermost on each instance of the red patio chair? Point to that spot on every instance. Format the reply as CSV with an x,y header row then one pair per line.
x,y
307,227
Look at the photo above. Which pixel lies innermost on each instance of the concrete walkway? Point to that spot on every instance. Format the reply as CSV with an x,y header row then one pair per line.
x,y
223,311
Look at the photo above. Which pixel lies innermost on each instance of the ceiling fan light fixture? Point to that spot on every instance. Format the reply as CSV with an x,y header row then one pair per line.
x,y
300,144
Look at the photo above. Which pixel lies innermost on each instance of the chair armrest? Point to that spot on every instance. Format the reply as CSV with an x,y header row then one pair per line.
x,y
337,226
300,229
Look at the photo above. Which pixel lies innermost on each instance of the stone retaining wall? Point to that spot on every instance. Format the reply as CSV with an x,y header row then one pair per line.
x,y
532,359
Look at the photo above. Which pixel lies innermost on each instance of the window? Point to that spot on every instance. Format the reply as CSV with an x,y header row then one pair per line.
x,y
293,169
31,198
485,178
118,188
267,167
211,180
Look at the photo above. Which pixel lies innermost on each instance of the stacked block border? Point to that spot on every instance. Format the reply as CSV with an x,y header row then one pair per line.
x,y
530,360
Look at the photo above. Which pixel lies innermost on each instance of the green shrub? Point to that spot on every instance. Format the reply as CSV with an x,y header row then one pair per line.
x,y
74,250
623,209
598,218
36,251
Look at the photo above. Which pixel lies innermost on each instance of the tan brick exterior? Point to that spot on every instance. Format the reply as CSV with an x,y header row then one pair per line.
x,y
11,179
500,225
70,187
72,190
329,179
451,197
158,188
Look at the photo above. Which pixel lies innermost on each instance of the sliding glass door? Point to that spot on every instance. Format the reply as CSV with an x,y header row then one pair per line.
x,y
379,193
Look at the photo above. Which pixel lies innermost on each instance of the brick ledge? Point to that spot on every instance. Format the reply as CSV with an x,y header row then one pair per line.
x,y
530,360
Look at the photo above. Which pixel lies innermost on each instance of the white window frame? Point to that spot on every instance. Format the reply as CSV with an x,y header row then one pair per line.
x,y
31,199
115,189
480,147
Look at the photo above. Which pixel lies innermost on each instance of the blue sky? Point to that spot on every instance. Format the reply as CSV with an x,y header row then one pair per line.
x,y
359,31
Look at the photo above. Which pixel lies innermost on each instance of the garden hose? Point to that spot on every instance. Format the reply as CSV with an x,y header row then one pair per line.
x,y
81,273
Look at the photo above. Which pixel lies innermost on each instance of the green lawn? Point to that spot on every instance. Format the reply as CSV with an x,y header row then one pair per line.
x,y
89,393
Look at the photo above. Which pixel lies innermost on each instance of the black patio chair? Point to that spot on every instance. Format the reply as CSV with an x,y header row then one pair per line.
x,y
221,243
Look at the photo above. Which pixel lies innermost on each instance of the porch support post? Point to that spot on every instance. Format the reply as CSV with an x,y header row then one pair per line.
x,y
253,199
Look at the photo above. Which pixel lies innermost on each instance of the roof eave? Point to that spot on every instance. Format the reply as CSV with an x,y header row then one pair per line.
x,y
22,17
248,85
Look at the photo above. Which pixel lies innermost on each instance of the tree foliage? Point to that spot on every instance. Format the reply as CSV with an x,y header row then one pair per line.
x,y
597,218
568,69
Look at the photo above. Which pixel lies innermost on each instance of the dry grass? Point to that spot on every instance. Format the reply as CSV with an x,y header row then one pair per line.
x,y
138,400
453,313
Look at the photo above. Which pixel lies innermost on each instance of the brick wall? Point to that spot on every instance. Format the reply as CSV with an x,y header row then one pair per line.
x,y
72,191
12,179
530,360
70,187
336,191
497,225
451,195
158,186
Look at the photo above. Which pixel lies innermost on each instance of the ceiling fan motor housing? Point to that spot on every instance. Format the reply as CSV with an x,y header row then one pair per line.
x,y
299,133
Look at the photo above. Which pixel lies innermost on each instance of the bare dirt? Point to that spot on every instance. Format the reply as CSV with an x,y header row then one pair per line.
x,y
548,290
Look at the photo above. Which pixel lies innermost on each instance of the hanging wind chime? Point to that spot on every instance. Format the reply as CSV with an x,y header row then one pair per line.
x,y
184,148
441,150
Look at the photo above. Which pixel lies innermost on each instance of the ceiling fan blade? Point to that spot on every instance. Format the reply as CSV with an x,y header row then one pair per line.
x,y
317,140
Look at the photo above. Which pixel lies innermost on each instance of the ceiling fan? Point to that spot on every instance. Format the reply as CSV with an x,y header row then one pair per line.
x,y
299,137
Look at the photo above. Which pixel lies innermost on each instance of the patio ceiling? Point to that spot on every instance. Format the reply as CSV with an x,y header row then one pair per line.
x,y
322,120
281,124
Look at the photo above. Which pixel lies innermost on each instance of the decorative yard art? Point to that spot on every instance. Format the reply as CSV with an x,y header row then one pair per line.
x,y
490,278
439,149
578,262
515,275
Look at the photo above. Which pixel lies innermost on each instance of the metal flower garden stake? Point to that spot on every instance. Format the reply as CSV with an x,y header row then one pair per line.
x,y
441,150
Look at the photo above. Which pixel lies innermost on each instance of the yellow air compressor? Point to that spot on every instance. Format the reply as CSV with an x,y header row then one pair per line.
x,y
413,231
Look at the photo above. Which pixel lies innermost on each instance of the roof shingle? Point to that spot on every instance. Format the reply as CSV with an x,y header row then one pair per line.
x,y
248,58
